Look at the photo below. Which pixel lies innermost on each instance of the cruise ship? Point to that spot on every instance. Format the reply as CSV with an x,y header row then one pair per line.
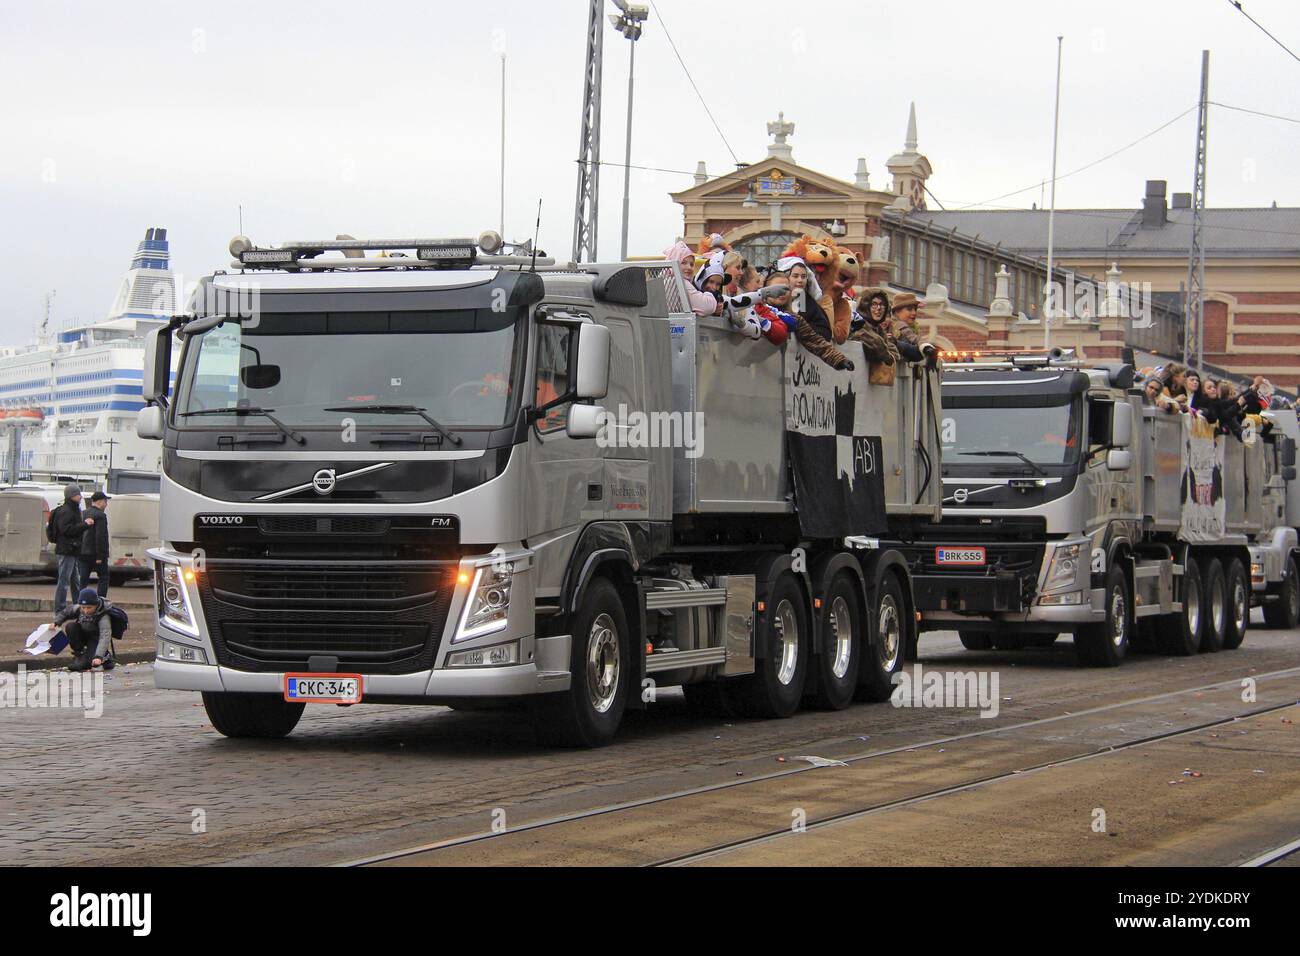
x,y
69,402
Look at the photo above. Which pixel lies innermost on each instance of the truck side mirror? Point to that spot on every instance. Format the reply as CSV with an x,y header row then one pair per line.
x,y
157,365
1121,425
592,366
1288,452
584,421
1288,473
1119,459
149,422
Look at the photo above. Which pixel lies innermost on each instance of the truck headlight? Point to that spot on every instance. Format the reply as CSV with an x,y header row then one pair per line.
x,y
1064,567
174,599
488,606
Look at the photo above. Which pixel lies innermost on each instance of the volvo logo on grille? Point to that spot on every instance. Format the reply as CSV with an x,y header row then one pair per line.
x,y
323,481
960,496
221,519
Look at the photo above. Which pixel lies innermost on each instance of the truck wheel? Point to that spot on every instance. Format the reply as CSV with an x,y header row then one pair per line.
x,y
976,640
1106,644
841,651
1284,613
251,715
1180,634
887,648
1215,590
776,686
1008,642
589,712
1238,605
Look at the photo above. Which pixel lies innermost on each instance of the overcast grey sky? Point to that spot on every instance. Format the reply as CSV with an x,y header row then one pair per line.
x,y
382,118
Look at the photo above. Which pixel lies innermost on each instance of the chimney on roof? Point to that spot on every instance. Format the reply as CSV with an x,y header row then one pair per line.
x,y
1155,212
1181,201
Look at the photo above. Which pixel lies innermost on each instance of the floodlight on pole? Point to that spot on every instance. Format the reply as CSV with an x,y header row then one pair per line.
x,y
628,22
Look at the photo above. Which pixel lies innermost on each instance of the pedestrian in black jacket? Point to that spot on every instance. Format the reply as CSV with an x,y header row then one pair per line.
x,y
94,542
68,526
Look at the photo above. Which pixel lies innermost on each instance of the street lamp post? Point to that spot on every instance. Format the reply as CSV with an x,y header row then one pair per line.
x,y
629,23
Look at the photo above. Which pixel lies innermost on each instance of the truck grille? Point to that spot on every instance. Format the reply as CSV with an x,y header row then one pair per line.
x,y
310,524
375,618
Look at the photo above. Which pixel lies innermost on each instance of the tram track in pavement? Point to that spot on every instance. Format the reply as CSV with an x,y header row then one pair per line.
x,y
484,846
1275,855
1024,773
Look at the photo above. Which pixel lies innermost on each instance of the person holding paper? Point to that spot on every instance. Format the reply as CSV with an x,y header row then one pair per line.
x,y
89,631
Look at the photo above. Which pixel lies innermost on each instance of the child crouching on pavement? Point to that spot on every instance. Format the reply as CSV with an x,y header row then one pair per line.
x,y
89,631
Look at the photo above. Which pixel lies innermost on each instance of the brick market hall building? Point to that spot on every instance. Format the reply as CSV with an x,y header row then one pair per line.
x,y
981,272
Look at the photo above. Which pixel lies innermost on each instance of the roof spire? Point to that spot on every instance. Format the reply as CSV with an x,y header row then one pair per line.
x,y
909,144
780,131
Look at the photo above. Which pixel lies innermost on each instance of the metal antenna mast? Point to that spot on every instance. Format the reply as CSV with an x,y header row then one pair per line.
x,y
1194,322
585,211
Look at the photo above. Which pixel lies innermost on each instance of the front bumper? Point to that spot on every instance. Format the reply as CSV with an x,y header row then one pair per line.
x,y
520,680
1038,617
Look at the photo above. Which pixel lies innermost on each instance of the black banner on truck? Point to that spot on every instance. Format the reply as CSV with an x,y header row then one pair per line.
x,y
839,482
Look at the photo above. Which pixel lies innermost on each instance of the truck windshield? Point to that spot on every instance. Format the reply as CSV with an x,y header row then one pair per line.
x,y
458,367
1046,435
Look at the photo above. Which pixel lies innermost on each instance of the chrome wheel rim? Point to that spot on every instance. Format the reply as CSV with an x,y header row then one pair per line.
x,y
1192,606
1217,609
603,662
841,637
787,631
1119,617
1240,606
890,630
1293,594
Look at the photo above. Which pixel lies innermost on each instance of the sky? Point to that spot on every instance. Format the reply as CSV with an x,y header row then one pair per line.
x,y
382,119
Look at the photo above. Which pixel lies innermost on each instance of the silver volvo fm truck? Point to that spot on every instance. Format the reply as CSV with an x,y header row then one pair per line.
x,y
426,471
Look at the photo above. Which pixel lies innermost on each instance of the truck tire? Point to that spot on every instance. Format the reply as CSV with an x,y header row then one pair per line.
x,y
1215,589
251,715
976,640
1008,642
589,712
1106,644
1040,640
886,649
775,689
1180,634
1238,605
1284,613
841,651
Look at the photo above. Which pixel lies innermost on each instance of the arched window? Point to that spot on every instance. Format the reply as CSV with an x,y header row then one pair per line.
x,y
764,249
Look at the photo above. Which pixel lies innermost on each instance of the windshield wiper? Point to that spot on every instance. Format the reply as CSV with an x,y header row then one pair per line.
x,y
1004,454
400,410
251,410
